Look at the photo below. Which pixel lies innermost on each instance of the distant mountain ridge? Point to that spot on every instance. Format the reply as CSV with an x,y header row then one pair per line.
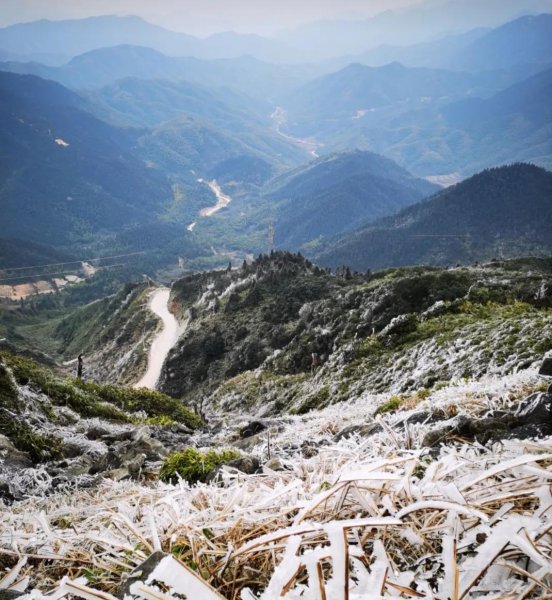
x,y
336,193
105,66
359,93
499,213
426,133
525,41
420,22
65,39
65,172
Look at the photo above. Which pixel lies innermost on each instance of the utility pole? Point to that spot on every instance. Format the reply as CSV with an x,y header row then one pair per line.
x,y
270,238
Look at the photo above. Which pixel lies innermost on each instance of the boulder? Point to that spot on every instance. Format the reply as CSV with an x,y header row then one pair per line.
x,y
361,430
118,474
95,432
533,418
10,594
275,464
441,434
118,436
5,493
135,466
110,460
251,429
546,367
245,464
422,416
535,409
247,444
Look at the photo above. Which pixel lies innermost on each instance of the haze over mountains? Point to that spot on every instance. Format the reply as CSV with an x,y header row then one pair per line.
x,y
352,211
314,146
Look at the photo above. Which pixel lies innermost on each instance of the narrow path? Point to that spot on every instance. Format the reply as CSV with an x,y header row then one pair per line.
x,y
163,341
279,118
223,199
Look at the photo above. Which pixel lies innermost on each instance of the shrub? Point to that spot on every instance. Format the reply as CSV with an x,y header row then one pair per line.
x,y
95,400
316,400
192,465
24,438
391,405
153,403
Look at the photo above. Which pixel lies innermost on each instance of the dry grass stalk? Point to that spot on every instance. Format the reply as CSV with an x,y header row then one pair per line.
x,y
391,522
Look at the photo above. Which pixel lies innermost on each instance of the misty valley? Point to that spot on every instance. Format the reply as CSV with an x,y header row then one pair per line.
x,y
276,309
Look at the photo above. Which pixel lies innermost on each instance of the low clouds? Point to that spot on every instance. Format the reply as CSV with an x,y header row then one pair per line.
x,y
201,17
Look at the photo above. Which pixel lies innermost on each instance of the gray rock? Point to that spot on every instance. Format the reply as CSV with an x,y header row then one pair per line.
x,y
71,450
422,417
248,443
96,432
11,456
252,428
119,436
245,464
546,367
111,460
532,419
10,594
118,474
309,449
535,409
135,467
141,573
65,416
140,443
525,432
359,429
275,464
441,434
5,493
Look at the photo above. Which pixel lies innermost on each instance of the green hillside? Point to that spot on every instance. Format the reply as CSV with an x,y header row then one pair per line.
x,y
501,212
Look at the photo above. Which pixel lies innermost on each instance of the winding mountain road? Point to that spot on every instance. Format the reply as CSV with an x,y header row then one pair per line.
x,y
223,199
163,341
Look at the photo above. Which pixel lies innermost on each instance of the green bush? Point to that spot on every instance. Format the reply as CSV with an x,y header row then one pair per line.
x,y
391,405
95,400
22,436
154,404
316,400
192,465
61,392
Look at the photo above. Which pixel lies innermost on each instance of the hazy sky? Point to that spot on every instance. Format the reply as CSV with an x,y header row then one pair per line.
x,y
200,17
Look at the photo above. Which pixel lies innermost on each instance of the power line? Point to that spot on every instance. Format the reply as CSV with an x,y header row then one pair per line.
x,y
61,274
440,235
73,262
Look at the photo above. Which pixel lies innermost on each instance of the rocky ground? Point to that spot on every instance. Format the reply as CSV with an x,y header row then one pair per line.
x,y
413,458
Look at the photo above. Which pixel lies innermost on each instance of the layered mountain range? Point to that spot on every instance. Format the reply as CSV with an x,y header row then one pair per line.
x,y
136,131
327,257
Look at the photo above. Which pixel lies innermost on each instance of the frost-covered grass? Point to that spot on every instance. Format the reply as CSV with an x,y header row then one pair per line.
x,y
90,399
363,518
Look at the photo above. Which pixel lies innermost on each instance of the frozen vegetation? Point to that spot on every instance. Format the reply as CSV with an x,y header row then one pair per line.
x,y
411,458
354,518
